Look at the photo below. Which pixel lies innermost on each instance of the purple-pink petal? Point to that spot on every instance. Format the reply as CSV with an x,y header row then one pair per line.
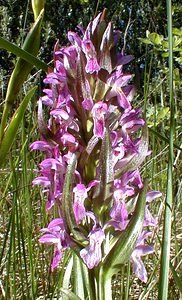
x,y
56,259
49,239
139,268
99,111
40,145
153,195
80,194
89,50
42,180
149,220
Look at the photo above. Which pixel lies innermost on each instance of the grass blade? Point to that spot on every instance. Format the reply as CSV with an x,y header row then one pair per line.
x,y
10,133
25,55
165,255
176,277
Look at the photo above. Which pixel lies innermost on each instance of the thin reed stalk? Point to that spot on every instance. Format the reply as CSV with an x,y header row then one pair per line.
x,y
165,255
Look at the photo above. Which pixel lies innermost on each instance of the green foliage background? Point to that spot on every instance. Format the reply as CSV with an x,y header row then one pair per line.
x,y
61,16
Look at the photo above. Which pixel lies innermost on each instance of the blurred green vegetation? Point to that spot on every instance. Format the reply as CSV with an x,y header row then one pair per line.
x,y
132,18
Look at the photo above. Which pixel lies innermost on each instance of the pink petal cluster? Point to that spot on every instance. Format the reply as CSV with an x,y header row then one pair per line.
x,y
86,94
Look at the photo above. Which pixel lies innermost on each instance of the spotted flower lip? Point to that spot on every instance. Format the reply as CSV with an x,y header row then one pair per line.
x,y
91,255
99,111
80,192
89,96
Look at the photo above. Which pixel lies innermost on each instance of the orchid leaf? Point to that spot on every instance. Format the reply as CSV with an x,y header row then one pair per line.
x,y
12,129
78,277
106,174
123,248
81,285
67,205
67,277
71,295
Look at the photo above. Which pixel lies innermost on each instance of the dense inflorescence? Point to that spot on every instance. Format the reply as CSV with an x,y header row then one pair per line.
x,y
95,136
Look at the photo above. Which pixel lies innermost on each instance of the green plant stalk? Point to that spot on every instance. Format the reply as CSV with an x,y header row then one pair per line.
x,y
104,287
7,285
147,80
21,70
26,196
19,254
12,239
153,138
78,287
66,275
127,282
10,133
24,258
90,292
122,271
92,284
165,254
15,230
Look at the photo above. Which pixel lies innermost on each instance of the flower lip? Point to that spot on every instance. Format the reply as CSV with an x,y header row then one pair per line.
x,y
92,255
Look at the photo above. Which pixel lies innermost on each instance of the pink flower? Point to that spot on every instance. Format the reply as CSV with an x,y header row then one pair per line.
x,y
141,250
56,235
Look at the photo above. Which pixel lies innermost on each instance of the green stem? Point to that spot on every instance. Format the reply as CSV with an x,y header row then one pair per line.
x,y
127,282
122,281
92,282
104,286
165,255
